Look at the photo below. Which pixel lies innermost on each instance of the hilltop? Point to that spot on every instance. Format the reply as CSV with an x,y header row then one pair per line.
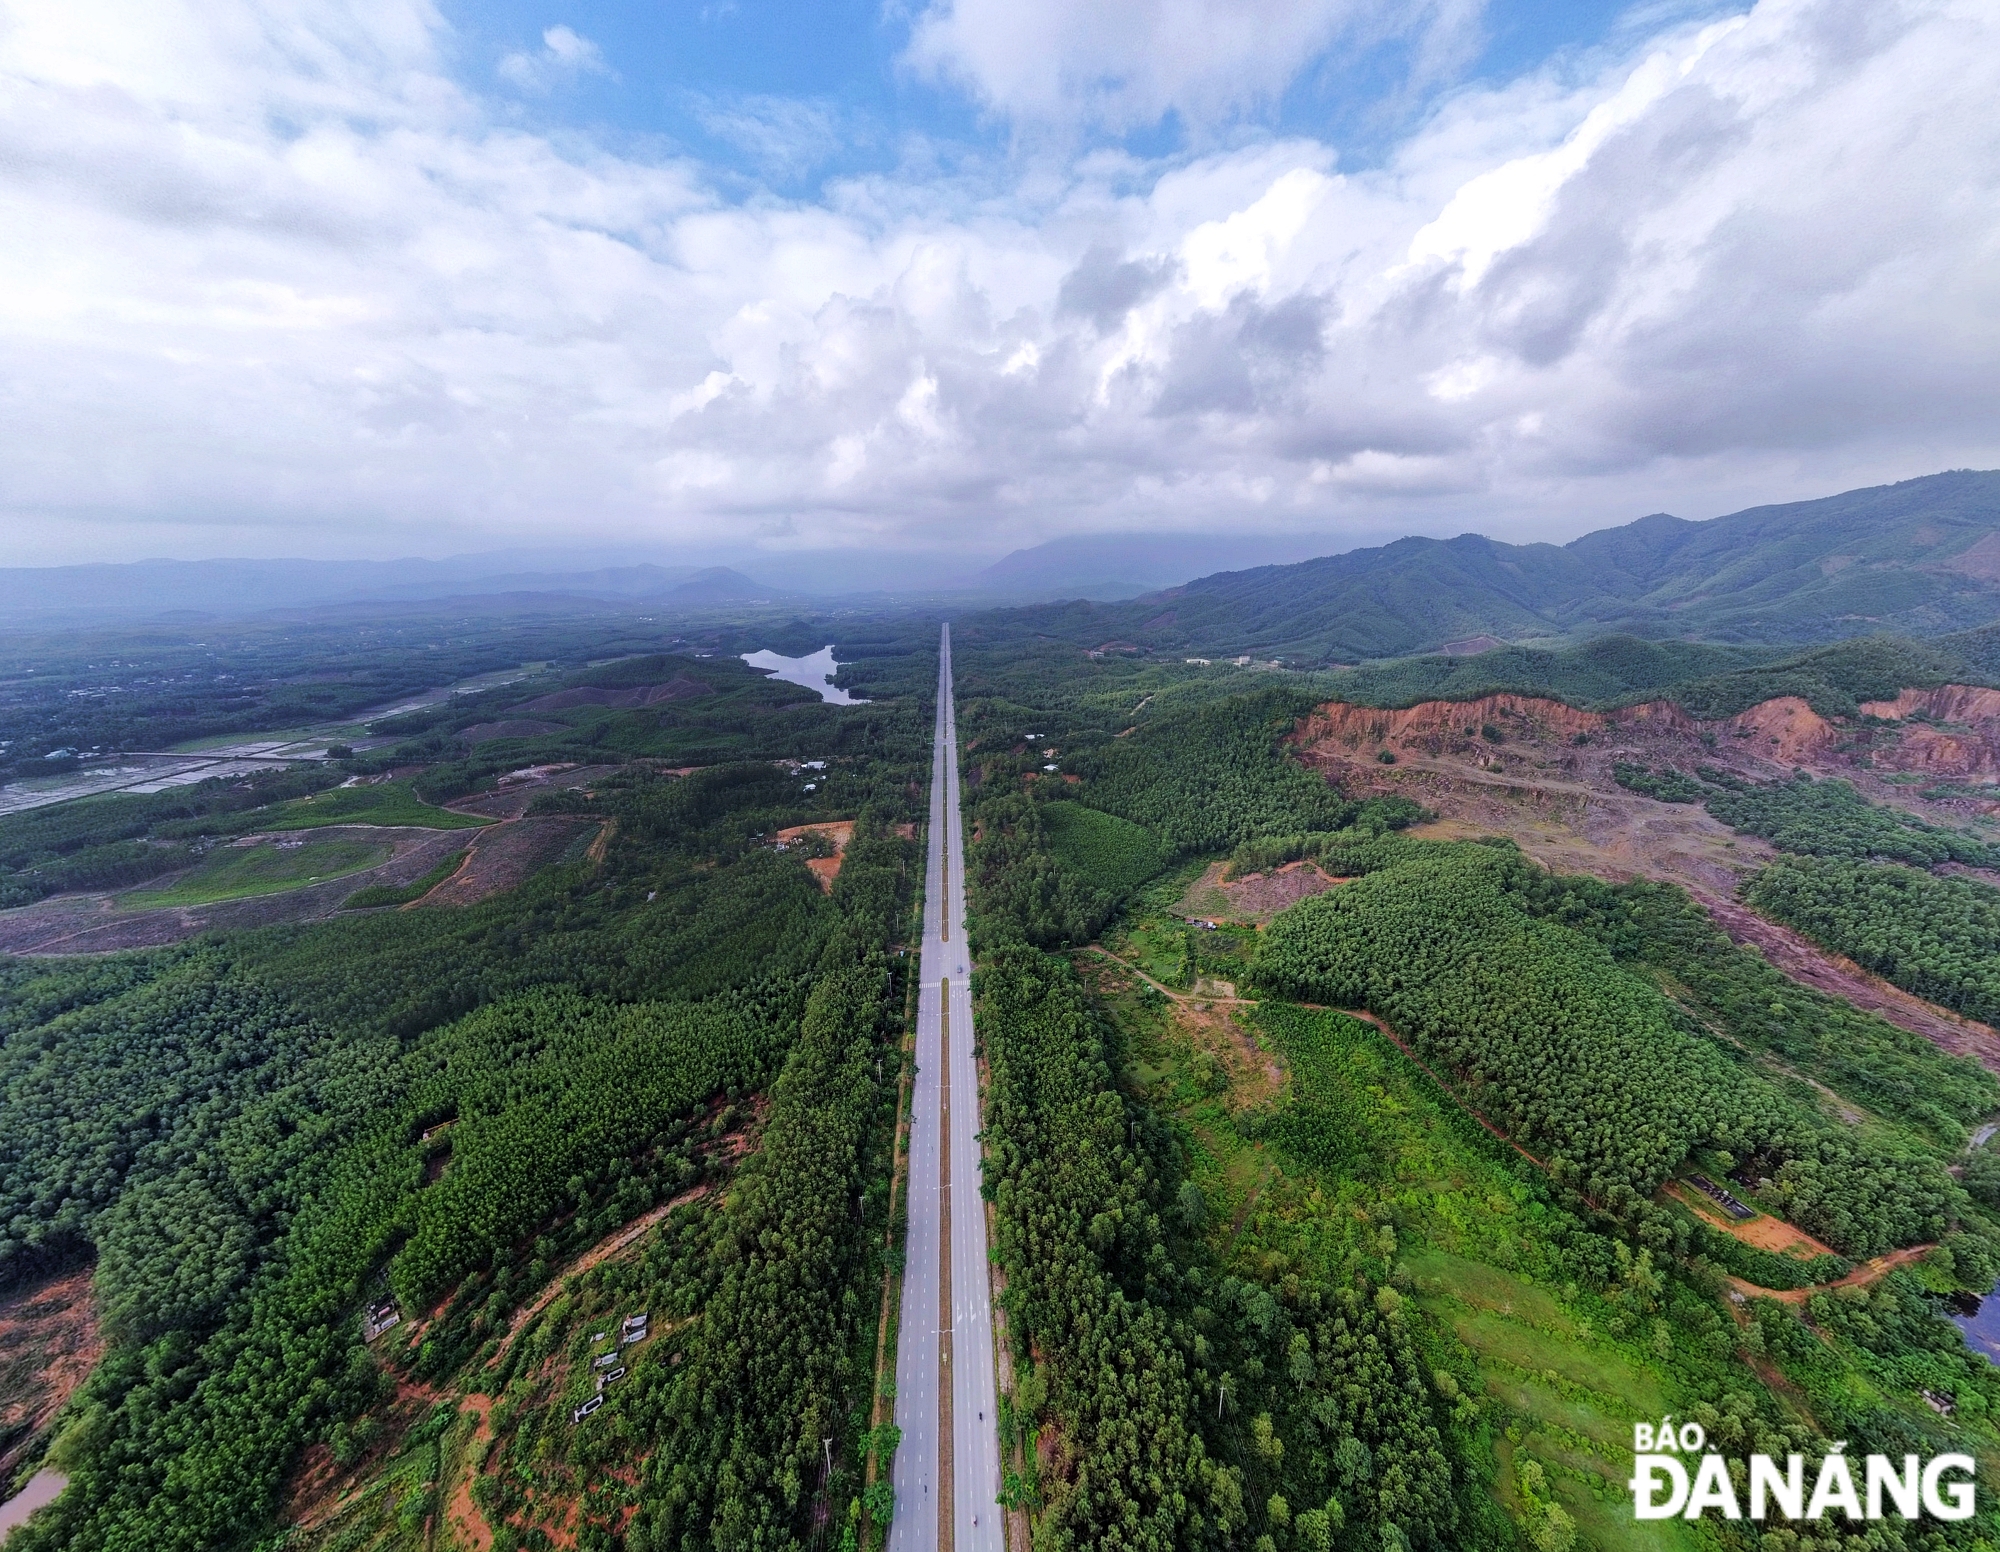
x,y
1920,558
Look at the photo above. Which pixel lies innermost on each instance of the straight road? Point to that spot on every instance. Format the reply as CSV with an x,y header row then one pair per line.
x,y
944,1344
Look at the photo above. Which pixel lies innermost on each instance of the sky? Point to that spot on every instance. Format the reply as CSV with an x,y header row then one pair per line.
x,y
885,281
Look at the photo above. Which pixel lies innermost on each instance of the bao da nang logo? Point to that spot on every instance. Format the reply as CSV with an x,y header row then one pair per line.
x,y
1663,1487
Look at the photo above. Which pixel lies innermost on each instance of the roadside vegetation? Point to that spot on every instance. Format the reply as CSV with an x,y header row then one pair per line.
x,y
438,1113
1490,1177
1364,1223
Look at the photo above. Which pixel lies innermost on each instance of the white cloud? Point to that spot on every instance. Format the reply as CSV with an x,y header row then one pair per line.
x,y
563,56
272,279
1130,64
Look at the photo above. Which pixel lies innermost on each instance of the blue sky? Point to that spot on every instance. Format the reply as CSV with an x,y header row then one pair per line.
x,y
850,289
784,96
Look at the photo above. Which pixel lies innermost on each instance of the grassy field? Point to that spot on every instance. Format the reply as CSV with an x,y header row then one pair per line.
x,y
1113,853
237,872
1315,1142
387,803
403,894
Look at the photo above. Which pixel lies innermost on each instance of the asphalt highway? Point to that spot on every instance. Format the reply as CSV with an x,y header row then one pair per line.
x,y
944,1352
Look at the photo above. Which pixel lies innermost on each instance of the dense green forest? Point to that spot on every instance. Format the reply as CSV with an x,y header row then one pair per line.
x,y
1585,1064
1710,680
253,1136
1936,936
1330,1422
1270,1282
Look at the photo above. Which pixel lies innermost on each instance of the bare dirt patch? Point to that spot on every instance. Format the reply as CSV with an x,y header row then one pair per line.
x,y
836,832
1256,897
49,1343
465,1522
506,856
1557,800
1763,1231
517,789
1805,961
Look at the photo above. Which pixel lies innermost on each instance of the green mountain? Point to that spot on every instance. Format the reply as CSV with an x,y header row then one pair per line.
x,y
1709,679
1920,558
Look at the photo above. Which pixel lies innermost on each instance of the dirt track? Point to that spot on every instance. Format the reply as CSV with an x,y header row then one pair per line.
x,y
1804,960
1867,1272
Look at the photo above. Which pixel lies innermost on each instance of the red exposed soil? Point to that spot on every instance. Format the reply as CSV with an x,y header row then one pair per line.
x,y
1968,748
825,869
320,1487
1556,798
1867,1272
49,1343
468,1527
1762,1231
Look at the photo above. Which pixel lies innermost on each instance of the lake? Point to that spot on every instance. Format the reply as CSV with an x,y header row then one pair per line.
x,y
815,673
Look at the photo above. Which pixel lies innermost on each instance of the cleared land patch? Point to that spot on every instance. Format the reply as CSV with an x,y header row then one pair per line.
x,y
835,833
263,867
1255,897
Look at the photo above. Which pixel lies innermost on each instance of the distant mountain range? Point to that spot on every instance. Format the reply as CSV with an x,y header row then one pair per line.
x,y
1117,566
1917,559
191,590
1920,558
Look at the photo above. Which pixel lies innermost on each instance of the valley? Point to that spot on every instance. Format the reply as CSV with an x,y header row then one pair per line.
x,y
548,1118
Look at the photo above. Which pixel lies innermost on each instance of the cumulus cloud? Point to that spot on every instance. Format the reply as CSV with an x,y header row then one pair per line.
x,y
1130,64
563,56
270,275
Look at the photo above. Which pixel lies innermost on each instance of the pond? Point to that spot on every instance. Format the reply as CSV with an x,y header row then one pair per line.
x,y
1979,1319
41,1489
815,673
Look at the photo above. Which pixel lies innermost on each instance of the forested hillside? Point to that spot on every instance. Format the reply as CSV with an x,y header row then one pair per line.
x,y
1587,1066
1892,558
255,1136
1345,1178
1239,1170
